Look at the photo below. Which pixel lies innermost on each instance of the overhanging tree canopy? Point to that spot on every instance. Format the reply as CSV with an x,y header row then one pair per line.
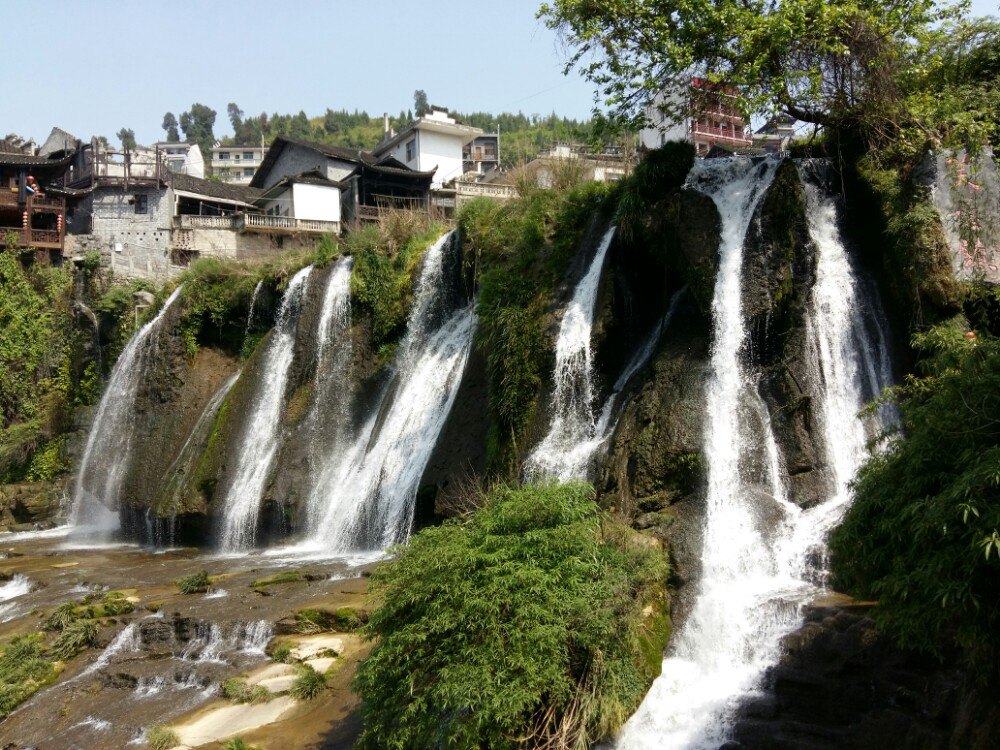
x,y
830,62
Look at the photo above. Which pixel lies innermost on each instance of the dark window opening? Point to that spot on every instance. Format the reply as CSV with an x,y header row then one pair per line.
x,y
142,203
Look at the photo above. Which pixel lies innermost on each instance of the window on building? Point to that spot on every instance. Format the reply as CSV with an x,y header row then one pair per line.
x,y
224,155
248,155
141,203
248,172
411,149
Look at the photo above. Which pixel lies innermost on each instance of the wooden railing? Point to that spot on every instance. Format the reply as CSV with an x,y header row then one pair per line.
x,y
35,238
35,202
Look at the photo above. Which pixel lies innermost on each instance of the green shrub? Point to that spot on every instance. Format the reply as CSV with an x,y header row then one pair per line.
x,y
63,616
196,583
236,690
923,533
75,637
282,652
23,670
237,743
308,685
162,738
115,603
523,621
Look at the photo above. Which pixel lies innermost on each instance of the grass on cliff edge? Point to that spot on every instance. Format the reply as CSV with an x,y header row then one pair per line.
x,y
520,626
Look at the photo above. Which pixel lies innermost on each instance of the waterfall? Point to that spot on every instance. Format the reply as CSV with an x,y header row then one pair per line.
x,y
332,388
755,569
262,429
106,457
17,586
253,306
573,425
366,488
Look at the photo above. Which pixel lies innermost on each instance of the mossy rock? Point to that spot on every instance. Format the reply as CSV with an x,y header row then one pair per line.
x,y
654,634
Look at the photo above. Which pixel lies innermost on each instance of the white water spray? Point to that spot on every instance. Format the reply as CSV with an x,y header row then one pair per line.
x,y
328,418
262,430
106,457
366,491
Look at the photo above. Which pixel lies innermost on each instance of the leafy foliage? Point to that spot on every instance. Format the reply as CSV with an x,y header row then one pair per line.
x,y
38,381
832,62
922,534
518,627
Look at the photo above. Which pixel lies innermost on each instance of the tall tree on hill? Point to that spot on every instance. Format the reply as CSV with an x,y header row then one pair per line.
x,y
420,105
170,125
198,124
300,127
127,137
235,116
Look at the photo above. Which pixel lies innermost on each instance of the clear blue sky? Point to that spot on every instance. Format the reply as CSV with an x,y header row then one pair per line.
x,y
95,67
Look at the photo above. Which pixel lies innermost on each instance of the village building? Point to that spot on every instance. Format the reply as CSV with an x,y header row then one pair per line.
x,y
32,212
181,157
482,154
709,118
365,185
775,135
236,164
434,143
561,164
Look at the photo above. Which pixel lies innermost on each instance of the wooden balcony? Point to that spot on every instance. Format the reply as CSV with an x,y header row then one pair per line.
x,y
38,239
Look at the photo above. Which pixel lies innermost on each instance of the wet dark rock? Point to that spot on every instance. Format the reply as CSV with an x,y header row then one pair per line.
x,y
841,684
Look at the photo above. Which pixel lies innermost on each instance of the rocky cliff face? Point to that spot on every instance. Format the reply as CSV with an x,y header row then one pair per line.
x,y
841,684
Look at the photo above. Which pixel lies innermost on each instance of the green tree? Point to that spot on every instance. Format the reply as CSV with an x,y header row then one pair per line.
x,y
170,125
831,62
235,116
198,124
420,105
127,138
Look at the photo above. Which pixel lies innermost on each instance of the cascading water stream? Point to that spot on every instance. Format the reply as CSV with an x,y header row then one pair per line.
x,y
561,454
106,458
329,416
755,573
365,491
262,429
253,306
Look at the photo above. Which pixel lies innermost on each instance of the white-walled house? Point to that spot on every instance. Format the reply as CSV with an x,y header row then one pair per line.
x,y
182,157
307,197
432,142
